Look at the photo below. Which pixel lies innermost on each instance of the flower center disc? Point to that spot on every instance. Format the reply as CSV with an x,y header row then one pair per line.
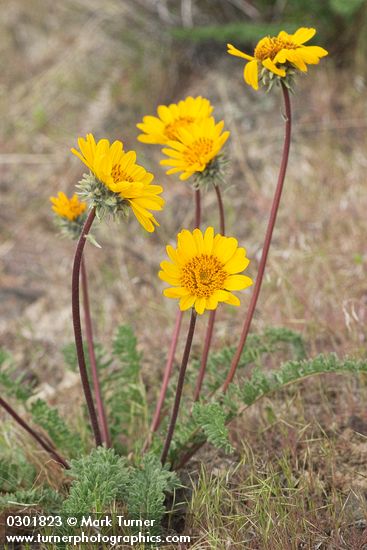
x,y
268,47
198,151
172,129
203,275
119,175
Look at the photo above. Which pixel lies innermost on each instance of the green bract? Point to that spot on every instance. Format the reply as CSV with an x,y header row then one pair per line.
x,y
214,174
105,201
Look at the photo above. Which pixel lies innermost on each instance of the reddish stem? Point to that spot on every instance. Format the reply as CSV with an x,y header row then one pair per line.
x,y
210,328
172,350
204,357
167,373
34,434
92,357
222,223
267,242
75,297
276,200
180,385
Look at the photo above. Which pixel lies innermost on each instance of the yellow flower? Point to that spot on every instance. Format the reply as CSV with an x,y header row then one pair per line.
x,y
171,118
280,53
195,147
67,208
126,180
204,269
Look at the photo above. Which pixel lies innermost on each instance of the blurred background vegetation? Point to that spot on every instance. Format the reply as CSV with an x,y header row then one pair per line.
x,y
81,66
342,24
85,65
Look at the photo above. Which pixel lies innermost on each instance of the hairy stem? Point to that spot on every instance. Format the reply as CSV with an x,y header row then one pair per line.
x,y
180,385
212,315
75,297
55,455
92,357
267,241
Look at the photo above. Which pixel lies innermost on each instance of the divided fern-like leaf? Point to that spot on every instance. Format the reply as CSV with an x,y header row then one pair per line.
x,y
15,472
11,384
49,419
262,383
146,488
278,335
123,387
103,477
98,479
70,357
17,484
211,418
39,497
270,341
124,347
183,430
103,361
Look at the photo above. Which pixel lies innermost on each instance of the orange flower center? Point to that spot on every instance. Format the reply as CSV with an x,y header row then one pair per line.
x,y
198,151
203,275
119,175
268,47
75,210
70,209
172,129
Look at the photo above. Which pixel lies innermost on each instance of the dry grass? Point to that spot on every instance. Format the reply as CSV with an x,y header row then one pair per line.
x,y
298,480
85,67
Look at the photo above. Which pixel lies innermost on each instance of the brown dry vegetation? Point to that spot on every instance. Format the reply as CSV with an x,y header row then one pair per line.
x,y
78,66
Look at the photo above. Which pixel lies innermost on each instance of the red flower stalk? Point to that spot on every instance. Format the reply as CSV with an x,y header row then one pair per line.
x,y
173,346
75,296
212,315
267,242
179,389
55,455
92,358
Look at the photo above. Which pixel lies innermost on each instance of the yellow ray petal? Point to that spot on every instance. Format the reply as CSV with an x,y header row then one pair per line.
x,y
186,302
303,34
200,304
237,282
270,65
238,262
171,269
232,299
167,278
224,247
251,75
211,302
178,292
199,241
208,240
234,51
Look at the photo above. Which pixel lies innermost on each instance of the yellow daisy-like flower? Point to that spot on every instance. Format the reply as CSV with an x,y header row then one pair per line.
x,y
125,179
171,118
195,147
279,53
204,270
69,209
